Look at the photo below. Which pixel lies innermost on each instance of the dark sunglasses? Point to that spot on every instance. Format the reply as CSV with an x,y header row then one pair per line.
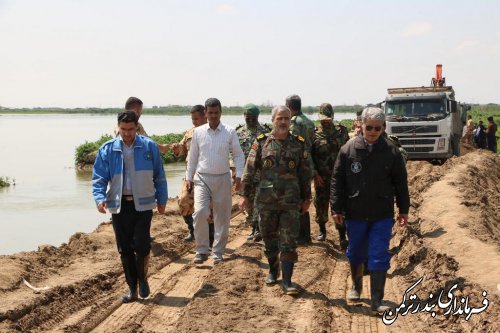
x,y
376,128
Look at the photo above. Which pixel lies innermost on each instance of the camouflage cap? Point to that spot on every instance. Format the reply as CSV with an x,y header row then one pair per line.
x,y
326,112
251,109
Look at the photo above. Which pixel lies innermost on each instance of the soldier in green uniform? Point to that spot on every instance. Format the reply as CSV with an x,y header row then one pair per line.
x,y
283,192
247,134
302,126
325,147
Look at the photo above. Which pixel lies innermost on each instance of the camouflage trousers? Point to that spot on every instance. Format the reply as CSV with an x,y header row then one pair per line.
x,y
252,209
280,229
322,204
186,203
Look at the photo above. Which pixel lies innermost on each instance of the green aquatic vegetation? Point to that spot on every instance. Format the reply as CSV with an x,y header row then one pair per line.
x,y
6,181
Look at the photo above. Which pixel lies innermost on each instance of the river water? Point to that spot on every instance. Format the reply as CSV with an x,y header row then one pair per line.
x,y
51,199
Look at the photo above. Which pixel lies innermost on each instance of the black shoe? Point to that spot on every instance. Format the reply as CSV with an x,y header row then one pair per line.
x,y
287,272
322,232
252,234
142,275
257,236
357,282
130,271
343,240
199,258
377,286
274,269
189,221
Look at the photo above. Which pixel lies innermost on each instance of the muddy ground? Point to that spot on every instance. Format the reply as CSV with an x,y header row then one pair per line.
x,y
453,238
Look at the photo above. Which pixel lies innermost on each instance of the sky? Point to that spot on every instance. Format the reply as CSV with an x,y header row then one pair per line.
x,y
97,53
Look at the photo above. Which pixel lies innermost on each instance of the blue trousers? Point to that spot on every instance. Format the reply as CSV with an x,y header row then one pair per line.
x,y
369,241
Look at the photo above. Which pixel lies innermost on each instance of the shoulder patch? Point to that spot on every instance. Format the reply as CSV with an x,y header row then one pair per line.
x,y
301,139
261,136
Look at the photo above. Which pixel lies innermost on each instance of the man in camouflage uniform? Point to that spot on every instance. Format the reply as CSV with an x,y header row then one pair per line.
x,y
326,145
302,126
247,134
134,104
186,198
283,192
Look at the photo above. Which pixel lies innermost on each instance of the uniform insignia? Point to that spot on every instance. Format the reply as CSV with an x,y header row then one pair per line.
x,y
301,139
260,136
356,167
148,156
291,165
268,164
306,155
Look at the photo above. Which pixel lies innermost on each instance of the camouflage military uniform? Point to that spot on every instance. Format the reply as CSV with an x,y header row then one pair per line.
x,y
325,148
284,183
302,126
247,137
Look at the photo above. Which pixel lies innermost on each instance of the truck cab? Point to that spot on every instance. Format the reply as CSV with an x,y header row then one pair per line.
x,y
427,120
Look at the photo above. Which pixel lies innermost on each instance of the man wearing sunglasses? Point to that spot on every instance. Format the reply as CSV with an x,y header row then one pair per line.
x,y
369,174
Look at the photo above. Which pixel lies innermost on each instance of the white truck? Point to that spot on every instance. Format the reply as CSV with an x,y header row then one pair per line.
x,y
427,120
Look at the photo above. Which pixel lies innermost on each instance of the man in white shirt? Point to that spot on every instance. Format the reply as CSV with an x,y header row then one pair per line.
x,y
209,175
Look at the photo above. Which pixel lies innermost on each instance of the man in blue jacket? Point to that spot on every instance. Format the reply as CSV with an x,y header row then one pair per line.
x,y
132,167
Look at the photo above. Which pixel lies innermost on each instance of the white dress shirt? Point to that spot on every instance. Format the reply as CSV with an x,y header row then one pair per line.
x,y
210,149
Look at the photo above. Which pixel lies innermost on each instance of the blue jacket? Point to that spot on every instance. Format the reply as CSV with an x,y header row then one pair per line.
x,y
149,185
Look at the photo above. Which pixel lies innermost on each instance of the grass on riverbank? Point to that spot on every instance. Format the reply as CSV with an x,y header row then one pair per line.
x,y
6,181
85,154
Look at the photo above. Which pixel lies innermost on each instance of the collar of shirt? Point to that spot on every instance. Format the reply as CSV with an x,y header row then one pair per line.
x,y
219,127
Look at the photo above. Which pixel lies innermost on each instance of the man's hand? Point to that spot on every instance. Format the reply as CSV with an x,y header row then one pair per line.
x,y
101,207
318,181
189,185
237,184
402,220
338,217
305,206
161,209
163,148
243,204
176,149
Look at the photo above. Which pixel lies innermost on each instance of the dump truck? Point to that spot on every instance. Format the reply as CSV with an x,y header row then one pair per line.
x,y
428,121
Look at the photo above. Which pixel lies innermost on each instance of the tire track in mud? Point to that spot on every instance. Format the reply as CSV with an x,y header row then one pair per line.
x,y
172,289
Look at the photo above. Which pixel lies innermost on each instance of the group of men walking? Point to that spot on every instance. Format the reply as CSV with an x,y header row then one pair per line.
x,y
272,169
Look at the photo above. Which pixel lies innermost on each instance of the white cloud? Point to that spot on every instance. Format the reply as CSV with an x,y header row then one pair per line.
x,y
466,44
417,29
226,9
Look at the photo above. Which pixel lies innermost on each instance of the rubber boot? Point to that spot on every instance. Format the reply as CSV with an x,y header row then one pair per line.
x,y
377,285
211,230
287,272
251,236
343,239
357,282
274,269
129,269
142,275
305,229
257,236
189,221
322,232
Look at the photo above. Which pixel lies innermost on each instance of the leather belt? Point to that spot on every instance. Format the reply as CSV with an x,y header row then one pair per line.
x,y
128,197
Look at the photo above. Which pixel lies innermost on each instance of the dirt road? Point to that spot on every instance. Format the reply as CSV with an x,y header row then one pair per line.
x,y
453,237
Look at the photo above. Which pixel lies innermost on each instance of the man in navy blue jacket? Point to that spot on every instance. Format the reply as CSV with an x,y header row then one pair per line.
x,y
132,166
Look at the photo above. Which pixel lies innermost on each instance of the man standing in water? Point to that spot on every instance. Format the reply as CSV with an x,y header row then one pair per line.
x,y
368,174
208,175
283,193
132,167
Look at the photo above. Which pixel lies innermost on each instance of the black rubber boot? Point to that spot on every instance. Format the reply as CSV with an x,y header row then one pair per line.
x,y
257,236
287,272
211,231
305,230
377,286
252,234
130,271
357,282
343,239
322,232
274,269
142,275
189,221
